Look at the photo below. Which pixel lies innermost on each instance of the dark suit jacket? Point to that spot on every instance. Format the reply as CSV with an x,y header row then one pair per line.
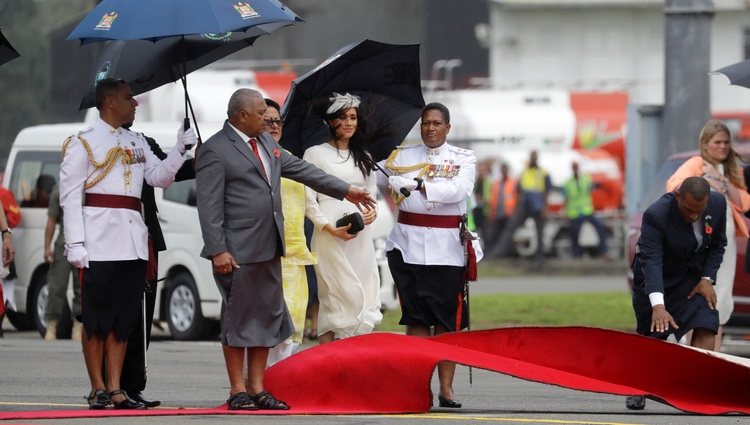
x,y
667,255
239,209
150,211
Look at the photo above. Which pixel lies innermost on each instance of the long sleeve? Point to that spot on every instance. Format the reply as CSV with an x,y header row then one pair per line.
x,y
210,184
651,252
73,173
162,173
312,208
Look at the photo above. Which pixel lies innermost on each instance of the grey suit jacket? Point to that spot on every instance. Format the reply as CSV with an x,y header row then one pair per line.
x,y
239,210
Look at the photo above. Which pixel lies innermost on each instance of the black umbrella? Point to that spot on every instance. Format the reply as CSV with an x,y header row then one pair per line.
x,y
738,73
7,52
145,65
385,76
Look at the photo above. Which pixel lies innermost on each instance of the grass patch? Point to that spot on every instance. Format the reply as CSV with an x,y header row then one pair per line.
x,y
610,310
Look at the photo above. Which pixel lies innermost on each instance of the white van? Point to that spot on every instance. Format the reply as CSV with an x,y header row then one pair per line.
x,y
187,297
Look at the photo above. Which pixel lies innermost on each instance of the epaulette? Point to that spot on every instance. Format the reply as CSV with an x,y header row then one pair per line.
x,y
409,146
70,138
462,151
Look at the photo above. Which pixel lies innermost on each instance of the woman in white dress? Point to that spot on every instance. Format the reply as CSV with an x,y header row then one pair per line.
x,y
719,164
348,280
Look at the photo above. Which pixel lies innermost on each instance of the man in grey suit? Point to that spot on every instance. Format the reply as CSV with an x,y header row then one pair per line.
x,y
238,180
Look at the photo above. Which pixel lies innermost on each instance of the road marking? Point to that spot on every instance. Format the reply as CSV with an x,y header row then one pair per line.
x,y
423,416
28,403
490,419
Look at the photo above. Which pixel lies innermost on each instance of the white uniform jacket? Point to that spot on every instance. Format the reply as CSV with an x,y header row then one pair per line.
x,y
448,184
110,234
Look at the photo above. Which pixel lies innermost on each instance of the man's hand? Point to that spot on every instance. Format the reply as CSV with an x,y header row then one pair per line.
x,y
48,256
186,139
398,183
661,320
8,251
224,263
77,256
361,198
707,290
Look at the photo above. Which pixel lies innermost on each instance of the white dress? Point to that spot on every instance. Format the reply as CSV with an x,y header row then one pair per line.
x,y
725,275
348,280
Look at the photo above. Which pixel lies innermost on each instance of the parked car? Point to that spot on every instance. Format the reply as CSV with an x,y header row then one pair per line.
x,y
741,314
187,297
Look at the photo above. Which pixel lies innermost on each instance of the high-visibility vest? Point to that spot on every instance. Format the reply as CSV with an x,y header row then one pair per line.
x,y
532,180
578,196
502,203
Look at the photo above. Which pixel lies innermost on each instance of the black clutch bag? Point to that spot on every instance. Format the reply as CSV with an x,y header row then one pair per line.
x,y
355,219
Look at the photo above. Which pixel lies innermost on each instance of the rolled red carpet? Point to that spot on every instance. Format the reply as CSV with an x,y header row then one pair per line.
x,y
390,373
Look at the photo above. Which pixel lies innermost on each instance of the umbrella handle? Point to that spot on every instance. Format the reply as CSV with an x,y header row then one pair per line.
x,y
186,123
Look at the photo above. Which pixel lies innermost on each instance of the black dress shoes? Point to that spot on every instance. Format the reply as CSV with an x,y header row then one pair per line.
x,y
447,402
127,403
635,402
148,403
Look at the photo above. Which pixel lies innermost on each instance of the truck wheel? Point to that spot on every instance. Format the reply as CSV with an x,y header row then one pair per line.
x,y
184,316
20,321
562,245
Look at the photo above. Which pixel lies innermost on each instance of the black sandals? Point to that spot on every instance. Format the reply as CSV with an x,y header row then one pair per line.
x,y
265,401
98,400
241,401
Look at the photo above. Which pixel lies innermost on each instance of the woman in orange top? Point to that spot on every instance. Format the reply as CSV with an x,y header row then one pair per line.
x,y
719,164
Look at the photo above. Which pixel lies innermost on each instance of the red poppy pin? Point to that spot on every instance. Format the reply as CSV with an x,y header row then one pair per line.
x,y
707,225
276,152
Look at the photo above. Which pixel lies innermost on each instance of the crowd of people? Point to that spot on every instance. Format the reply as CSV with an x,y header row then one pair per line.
x,y
503,202
253,197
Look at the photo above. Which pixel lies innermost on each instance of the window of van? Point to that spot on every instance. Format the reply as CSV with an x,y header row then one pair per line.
x,y
33,176
181,192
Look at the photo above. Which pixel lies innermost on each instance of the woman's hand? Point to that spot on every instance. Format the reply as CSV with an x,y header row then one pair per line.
x,y
370,215
340,232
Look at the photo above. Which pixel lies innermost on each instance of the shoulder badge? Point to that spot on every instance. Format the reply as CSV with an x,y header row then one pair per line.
x,y
461,150
76,136
409,146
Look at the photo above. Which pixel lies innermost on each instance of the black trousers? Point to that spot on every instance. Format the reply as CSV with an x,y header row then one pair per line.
x,y
133,379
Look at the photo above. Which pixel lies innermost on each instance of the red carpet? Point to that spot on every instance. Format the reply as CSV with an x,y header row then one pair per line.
x,y
390,373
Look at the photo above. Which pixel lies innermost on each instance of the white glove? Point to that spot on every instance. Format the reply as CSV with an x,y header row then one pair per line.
x,y
398,182
77,256
186,139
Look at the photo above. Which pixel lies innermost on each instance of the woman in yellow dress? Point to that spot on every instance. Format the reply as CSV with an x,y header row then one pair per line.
x,y
293,276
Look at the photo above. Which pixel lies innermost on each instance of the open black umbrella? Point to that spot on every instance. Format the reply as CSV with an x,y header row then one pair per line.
x,y
738,73
385,76
7,52
145,65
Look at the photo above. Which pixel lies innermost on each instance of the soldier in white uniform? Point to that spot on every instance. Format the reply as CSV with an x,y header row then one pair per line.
x,y
425,253
101,175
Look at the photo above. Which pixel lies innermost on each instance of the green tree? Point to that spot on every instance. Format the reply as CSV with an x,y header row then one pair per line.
x,y
25,81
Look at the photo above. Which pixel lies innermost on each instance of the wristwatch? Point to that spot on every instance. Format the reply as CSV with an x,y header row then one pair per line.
x,y
711,281
4,231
